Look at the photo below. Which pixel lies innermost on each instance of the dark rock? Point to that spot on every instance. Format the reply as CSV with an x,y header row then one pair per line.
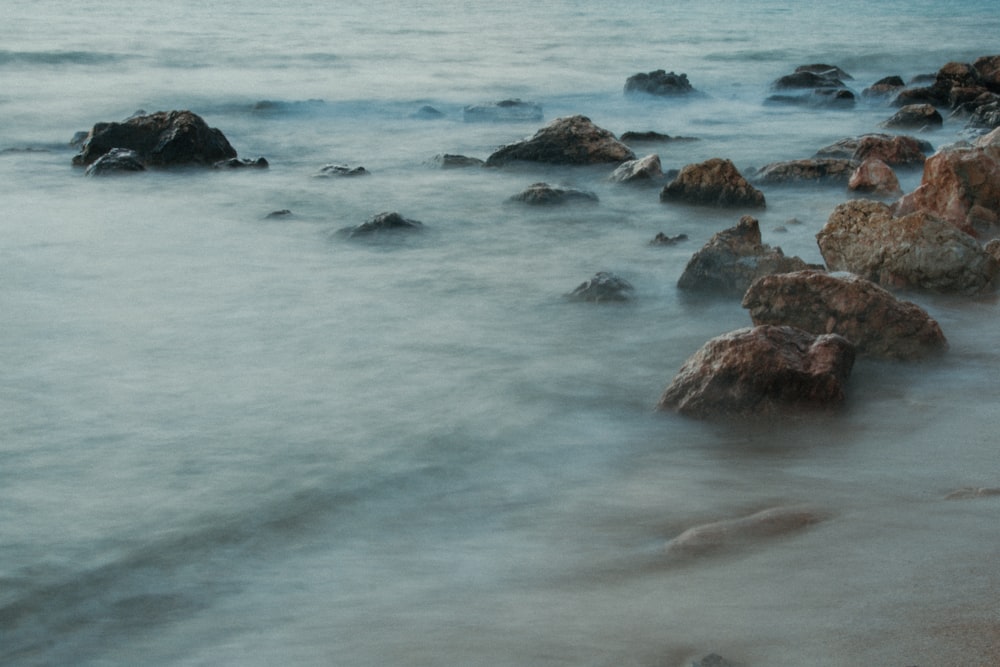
x,y
732,259
663,239
988,68
427,112
760,371
884,88
237,163
116,161
569,140
985,116
160,139
644,170
341,171
659,83
826,71
513,110
448,161
831,98
78,138
807,79
915,116
870,317
652,137
283,213
816,170
921,95
602,288
712,660
543,194
381,224
715,182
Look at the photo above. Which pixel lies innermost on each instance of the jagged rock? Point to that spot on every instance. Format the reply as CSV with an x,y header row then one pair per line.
x,y
715,182
760,371
915,116
382,223
116,161
873,176
513,110
732,259
568,140
602,288
663,239
660,83
341,171
447,161
643,170
916,251
160,139
985,116
833,98
875,321
822,170
545,195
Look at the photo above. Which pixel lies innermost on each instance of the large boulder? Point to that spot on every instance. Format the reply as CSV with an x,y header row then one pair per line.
x,y
962,186
874,320
660,83
875,177
812,170
915,116
733,259
162,139
715,182
760,371
568,140
916,251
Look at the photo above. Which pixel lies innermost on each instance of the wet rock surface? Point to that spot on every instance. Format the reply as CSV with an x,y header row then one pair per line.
x,y
715,182
569,140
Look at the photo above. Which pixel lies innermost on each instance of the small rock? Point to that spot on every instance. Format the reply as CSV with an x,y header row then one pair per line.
x,y
511,110
659,82
543,194
875,177
381,224
339,171
602,288
643,170
568,140
448,161
238,163
663,239
816,170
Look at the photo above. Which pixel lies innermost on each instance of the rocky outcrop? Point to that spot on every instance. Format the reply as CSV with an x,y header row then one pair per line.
x,y
813,170
915,116
543,194
875,321
875,177
715,182
916,251
760,371
962,186
569,140
116,161
162,139
659,83
504,111
644,170
733,259
383,223
604,287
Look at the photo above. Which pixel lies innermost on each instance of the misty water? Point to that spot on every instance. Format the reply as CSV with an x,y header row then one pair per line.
x,y
228,438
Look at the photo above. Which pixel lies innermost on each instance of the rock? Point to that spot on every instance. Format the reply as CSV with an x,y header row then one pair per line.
x,y
807,79
915,116
651,137
712,660
875,321
884,88
961,186
239,163
544,194
894,150
715,182
341,171
986,116
78,138
513,110
116,161
569,140
740,533
760,371
921,95
281,213
826,71
957,75
732,259
875,177
988,68
659,83
916,251
427,112
381,224
816,170
447,161
161,139
602,288
972,492
832,98
663,239
644,170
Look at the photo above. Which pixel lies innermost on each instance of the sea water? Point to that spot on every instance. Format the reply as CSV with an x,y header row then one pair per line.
x,y
233,439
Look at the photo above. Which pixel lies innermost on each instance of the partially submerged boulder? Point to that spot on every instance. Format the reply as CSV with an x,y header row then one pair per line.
x,y
733,259
760,371
568,140
449,161
874,320
644,170
383,223
506,111
163,139
659,82
651,136
341,171
915,251
915,116
835,171
715,182
543,194
894,150
813,85
116,161
604,287
884,88
875,177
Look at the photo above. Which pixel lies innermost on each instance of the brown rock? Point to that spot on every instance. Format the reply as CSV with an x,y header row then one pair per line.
x,y
759,371
875,177
859,310
988,68
894,150
917,251
817,170
915,116
569,140
715,182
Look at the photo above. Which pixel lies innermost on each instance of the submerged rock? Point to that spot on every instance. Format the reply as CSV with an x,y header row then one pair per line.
x,y
341,171
884,88
715,182
740,533
816,170
652,137
761,371
511,110
448,161
663,239
240,163
659,82
116,161
568,140
543,194
602,288
382,223
874,320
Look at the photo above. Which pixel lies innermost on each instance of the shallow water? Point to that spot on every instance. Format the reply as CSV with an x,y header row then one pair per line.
x,y
229,439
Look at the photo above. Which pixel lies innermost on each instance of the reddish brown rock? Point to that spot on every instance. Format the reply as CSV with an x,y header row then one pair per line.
x,y
962,186
715,182
569,140
875,177
915,116
816,170
916,251
988,68
875,321
894,150
760,371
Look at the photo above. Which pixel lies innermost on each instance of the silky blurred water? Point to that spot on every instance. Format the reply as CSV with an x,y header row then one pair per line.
x,y
233,439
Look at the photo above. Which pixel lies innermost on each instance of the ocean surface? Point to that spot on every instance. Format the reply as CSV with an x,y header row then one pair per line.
x,y
229,439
